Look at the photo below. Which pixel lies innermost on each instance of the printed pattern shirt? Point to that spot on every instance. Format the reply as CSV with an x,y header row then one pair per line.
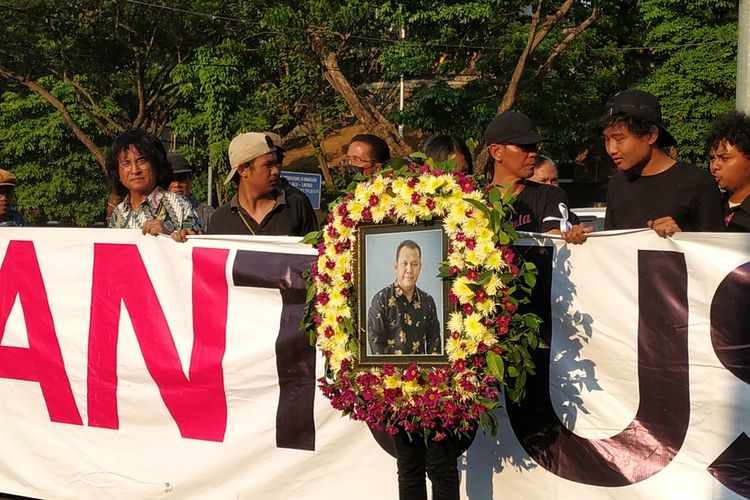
x,y
174,211
397,325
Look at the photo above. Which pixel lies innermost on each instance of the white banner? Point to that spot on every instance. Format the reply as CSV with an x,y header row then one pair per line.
x,y
135,367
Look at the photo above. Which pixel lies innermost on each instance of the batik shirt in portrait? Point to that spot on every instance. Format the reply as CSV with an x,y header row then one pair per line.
x,y
174,211
396,325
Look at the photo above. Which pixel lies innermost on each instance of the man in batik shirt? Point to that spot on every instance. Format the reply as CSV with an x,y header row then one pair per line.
x,y
403,319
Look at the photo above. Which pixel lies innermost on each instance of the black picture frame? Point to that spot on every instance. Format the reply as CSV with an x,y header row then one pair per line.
x,y
375,273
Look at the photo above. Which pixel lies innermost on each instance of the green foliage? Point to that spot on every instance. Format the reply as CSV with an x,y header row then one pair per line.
x,y
695,64
56,173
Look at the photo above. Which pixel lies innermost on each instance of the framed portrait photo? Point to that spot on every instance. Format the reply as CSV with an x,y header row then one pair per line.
x,y
403,303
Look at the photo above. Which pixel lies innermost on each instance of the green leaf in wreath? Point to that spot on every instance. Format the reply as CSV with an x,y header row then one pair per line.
x,y
495,365
530,279
313,237
478,204
513,371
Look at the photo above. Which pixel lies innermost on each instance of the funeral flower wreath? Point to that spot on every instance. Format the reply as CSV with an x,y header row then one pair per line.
x,y
488,341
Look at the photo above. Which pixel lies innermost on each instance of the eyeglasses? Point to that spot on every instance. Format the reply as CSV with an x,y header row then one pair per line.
x,y
528,148
355,161
140,164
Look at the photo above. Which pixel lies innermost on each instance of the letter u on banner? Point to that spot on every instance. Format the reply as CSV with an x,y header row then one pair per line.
x,y
658,430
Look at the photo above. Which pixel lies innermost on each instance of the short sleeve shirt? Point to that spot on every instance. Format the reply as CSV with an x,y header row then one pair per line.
x,y
684,192
293,215
537,202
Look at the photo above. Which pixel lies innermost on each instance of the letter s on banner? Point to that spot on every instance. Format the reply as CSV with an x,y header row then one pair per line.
x,y
658,430
730,320
198,404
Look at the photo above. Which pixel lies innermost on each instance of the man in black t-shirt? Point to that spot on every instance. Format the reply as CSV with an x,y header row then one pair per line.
x,y
513,144
651,189
728,143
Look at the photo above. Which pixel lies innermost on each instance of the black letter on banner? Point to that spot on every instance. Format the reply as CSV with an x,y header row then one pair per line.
x,y
730,317
658,430
295,357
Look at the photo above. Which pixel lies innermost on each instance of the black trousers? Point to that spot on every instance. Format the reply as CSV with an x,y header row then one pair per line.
x,y
437,458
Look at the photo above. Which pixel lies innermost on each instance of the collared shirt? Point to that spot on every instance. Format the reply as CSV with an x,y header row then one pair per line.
x,y
15,219
397,325
174,211
737,218
204,210
293,215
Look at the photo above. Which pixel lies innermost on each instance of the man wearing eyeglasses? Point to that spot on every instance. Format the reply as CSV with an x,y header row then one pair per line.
x,y
513,144
367,152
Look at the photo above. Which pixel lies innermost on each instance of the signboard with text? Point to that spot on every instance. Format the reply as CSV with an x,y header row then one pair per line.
x,y
137,367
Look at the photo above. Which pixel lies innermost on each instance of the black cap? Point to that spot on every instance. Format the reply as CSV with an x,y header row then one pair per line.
x,y
640,105
512,127
179,164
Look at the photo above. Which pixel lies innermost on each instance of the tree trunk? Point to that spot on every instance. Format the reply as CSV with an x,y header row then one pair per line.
x,y
375,122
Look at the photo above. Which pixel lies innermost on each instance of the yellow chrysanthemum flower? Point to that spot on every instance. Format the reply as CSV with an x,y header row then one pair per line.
x,y
410,387
485,307
456,259
355,209
378,185
493,261
391,382
473,326
456,322
452,346
379,212
461,289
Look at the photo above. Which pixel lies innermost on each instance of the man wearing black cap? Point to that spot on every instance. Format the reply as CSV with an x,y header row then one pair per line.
x,y
513,144
651,189
181,183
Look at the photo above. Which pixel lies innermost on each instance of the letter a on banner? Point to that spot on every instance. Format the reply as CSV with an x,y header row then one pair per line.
x,y
42,362
198,404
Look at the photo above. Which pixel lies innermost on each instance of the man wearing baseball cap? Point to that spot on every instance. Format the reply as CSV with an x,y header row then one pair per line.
x,y
260,206
513,145
182,181
9,217
651,189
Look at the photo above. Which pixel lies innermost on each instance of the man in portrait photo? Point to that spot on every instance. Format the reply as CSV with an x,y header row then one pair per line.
x,y
403,319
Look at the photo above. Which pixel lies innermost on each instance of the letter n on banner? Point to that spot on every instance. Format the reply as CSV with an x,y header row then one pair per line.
x,y
198,404
655,435
295,357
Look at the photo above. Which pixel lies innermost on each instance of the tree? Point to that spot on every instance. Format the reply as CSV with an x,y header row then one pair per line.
x,y
118,57
59,178
694,54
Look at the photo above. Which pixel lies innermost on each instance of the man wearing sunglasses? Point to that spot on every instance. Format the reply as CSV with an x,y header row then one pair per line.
x,y
513,144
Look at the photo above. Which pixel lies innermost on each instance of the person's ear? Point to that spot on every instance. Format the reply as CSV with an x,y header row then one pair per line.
x,y
496,151
653,135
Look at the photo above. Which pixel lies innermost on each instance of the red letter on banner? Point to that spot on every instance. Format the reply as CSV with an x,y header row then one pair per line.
x,y
42,362
198,404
